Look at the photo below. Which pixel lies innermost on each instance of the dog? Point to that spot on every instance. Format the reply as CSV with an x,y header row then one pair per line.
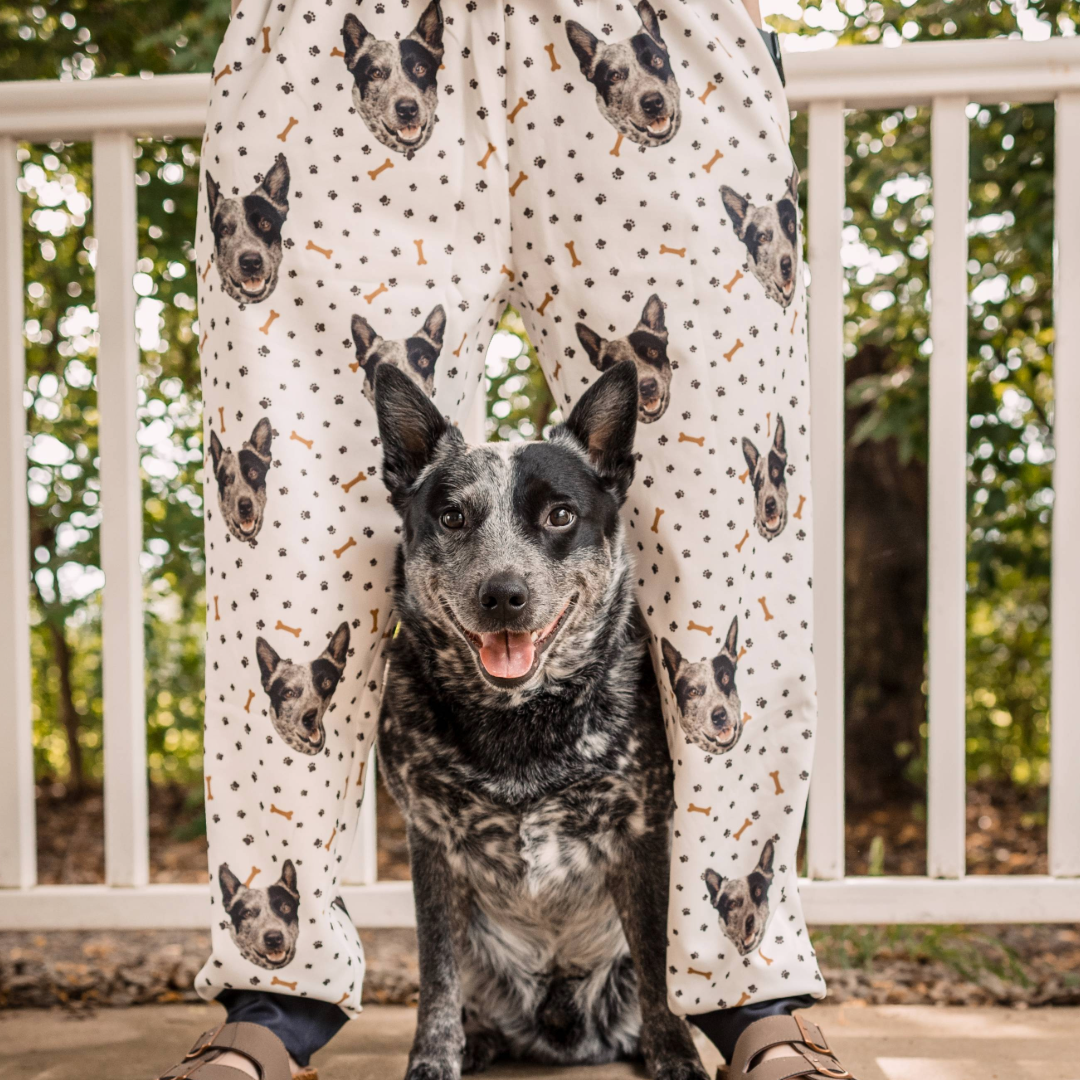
x,y
634,81
264,923
710,713
769,477
300,693
771,236
646,345
743,903
416,356
241,481
522,737
395,83
247,234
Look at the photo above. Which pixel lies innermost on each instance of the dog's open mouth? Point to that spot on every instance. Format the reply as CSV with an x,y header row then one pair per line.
x,y
652,409
275,957
252,288
657,128
409,134
247,527
510,658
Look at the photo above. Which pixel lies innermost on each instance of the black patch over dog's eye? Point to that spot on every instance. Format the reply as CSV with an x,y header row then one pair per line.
x,y
452,519
561,517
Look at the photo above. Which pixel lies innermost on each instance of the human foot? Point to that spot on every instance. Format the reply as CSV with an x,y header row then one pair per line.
x,y
248,1049
777,1037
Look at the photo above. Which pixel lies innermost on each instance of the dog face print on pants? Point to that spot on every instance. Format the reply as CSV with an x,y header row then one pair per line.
x,y
769,477
247,234
635,84
709,709
416,355
771,235
743,903
264,923
300,693
395,83
241,481
646,345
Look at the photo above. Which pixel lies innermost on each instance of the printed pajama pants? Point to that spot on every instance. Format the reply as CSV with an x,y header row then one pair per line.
x,y
380,179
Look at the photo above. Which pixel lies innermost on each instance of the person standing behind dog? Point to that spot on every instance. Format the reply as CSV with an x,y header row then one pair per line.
x,y
380,181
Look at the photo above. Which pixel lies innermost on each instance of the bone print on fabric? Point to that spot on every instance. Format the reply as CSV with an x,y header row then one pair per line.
x,y
768,475
416,355
264,923
395,83
511,186
247,234
241,481
743,903
647,346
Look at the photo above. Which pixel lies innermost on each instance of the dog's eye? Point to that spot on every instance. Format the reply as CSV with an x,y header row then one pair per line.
x,y
617,76
694,691
377,74
657,61
653,354
766,237
285,909
262,224
420,70
253,474
228,230
561,518
452,519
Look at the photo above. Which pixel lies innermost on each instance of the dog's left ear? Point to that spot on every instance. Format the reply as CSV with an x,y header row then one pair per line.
x,y
430,29
793,185
731,643
737,206
592,343
672,659
779,445
216,449
276,184
213,193
261,437
230,885
435,326
651,23
765,862
338,649
714,883
604,421
268,660
288,877
585,45
410,427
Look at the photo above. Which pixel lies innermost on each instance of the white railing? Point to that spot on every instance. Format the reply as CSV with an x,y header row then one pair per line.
x,y
945,76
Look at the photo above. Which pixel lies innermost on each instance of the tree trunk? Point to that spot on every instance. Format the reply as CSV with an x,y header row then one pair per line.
x,y
68,714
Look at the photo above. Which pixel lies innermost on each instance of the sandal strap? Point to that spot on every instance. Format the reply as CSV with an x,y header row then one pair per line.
x,y
257,1043
814,1058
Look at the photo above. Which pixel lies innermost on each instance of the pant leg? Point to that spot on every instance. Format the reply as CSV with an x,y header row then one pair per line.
x,y
337,231
654,220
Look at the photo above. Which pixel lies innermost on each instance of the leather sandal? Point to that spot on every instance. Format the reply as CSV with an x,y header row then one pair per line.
x,y
257,1043
812,1058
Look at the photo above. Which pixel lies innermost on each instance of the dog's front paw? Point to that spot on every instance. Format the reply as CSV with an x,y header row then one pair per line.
x,y
434,1069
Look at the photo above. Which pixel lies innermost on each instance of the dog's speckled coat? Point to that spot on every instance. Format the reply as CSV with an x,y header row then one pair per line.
x,y
620,173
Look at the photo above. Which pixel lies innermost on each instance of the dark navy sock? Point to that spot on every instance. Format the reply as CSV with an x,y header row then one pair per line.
x,y
304,1025
723,1027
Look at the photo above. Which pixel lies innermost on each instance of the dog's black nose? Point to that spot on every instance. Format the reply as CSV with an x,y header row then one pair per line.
x,y
719,717
770,507
407,110
652,104
504,595
274,940
251,262
245,506
310,720
648,388
786,267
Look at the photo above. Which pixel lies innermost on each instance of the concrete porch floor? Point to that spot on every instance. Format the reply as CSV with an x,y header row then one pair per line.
x,y
888,1042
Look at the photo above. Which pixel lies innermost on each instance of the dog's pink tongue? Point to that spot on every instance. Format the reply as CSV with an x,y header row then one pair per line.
x,y
506,655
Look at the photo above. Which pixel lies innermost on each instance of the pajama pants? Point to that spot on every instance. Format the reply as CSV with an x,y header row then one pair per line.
x,y
380,180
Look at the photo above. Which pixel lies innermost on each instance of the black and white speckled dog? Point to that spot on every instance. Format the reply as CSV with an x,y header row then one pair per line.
x,y
522,737
241,481
768,474
395,83
264,923
635,84
743,903
416,355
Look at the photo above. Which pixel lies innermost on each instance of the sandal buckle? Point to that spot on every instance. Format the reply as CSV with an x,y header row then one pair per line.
x,y
797,1017
207,1045
835,1074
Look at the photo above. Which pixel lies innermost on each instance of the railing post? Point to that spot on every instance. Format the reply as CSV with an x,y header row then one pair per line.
x,y
825,830
116,232
18,855
947,637
1065,583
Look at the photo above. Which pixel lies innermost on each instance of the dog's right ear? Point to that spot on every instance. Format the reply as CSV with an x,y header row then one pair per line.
x,y
750,453
363,335
584,44
261,437
230,885
715,884
672,659
354,35
268,660
216,449
737,207
592,343
213,193
410,427
604,422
